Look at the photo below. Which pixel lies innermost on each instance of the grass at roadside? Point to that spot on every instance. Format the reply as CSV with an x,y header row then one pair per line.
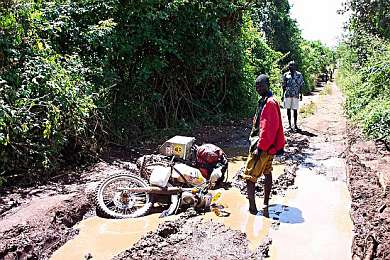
x,y
327,90
308,109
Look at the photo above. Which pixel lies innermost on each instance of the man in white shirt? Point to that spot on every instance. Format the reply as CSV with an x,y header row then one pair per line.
x,y
292,92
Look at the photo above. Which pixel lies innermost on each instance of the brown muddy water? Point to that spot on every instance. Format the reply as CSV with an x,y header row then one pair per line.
x,y
321,228
105,238
308,223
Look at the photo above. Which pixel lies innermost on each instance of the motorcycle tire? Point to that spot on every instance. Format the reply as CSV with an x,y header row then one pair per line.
x,y
108,198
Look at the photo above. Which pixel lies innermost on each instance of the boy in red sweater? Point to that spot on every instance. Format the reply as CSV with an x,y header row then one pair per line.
x,y
267,139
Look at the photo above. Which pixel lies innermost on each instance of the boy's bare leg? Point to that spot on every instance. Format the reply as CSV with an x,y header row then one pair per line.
x,y
250,186
267,188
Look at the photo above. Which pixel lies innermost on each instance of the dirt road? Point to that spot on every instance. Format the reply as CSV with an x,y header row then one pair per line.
x,y
309,217
316,208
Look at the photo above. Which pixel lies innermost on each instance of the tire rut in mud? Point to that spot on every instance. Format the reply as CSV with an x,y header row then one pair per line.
x,y
44,217
39,238
370,209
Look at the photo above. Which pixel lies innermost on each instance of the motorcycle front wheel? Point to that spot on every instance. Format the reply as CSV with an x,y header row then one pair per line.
x,y
113,201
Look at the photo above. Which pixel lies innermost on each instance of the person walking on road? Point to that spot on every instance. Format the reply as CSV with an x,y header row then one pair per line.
x,y
266,140
292,92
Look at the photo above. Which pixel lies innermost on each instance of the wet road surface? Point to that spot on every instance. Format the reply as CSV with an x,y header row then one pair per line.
x,y
310,222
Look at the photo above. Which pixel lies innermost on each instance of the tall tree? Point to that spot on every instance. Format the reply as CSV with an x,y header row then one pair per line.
x,y
372,16
281,31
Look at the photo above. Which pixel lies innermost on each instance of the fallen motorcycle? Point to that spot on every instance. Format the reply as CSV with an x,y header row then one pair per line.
x,y
167,178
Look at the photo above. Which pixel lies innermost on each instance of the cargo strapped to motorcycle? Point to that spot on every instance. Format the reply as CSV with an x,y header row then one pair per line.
x,y
180,174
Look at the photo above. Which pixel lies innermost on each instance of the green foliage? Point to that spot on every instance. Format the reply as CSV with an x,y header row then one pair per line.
x,y
284,35
369,16
48,103
75,73
281,30
316,58
184,60
367,86
364,58
308,109
260,58
327,90
47,114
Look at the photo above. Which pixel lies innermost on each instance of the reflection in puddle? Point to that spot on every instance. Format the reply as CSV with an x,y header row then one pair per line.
x,y
330,167
255,227
326,232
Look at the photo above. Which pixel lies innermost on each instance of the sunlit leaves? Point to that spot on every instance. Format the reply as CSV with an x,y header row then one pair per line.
x,y
72,72
366,83
370,16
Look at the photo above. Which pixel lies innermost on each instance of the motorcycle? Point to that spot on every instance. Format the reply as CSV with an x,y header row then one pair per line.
x,y
164,178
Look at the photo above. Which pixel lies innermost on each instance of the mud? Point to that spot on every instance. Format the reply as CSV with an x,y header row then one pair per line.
x,y
239,236
256,228
42,232
227,135
191,238
370,197
36,221
104,238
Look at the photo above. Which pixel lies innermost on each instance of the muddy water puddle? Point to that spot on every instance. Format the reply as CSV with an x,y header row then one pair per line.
x,y
105,238
311,222
255,227
323,204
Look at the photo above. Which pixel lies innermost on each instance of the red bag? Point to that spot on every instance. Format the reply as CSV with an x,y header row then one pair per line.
x,y
207,157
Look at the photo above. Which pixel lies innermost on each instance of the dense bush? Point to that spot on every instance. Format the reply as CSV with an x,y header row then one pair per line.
x,y
186,60
284,35
367,86
48,116
74,73
364,59
315,59
369,16
48,102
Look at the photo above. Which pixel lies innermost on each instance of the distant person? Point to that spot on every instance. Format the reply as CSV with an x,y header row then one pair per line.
x,y
331,69
266,140
292,92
